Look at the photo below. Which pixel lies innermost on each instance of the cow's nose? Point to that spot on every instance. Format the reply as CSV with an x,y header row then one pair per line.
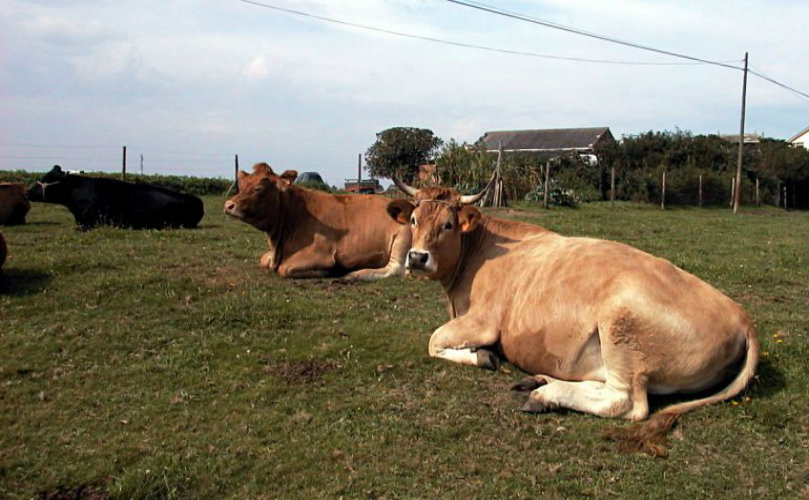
x,y
417,259
229,206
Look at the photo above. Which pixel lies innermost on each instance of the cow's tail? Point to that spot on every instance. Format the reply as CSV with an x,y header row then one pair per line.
x,y
650,436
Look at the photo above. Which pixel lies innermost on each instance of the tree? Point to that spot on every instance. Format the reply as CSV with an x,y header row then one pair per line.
x,y
399,151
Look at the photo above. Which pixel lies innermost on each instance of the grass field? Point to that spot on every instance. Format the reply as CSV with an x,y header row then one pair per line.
x,y
166,364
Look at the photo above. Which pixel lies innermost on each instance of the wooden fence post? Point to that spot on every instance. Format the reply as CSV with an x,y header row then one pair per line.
x,y
700,189
497,192
778,195
663,193
235,187
758,198
732,190
547,183
123,164
612,185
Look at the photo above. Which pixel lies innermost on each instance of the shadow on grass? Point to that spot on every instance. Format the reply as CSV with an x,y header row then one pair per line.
x,y
19,282
768,382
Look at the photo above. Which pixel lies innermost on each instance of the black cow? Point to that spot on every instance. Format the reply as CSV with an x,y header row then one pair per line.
x,y
94,201
3,250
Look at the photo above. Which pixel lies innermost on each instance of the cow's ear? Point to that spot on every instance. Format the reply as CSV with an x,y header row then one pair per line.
x,y
400,210
289,176
468,217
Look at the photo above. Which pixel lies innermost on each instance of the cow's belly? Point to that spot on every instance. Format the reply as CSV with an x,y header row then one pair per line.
x,y
535,351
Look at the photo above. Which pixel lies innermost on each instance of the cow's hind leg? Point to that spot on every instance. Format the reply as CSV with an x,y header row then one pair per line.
x,y
621,394
307,263
395,265
588,396
464,340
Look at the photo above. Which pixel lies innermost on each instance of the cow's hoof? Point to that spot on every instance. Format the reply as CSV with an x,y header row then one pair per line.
x,y
487,359
528,384
534,406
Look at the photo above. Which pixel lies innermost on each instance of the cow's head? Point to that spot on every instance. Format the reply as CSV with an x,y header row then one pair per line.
x,y
438,220
260,196
47,187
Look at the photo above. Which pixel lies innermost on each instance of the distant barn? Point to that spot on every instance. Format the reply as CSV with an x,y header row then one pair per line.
x,y
362,186
550,142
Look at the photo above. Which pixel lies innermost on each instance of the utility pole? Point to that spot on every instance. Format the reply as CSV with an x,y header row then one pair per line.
x,y
738,192
141,164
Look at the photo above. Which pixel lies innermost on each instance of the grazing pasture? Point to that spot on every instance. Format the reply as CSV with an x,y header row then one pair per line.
x,y
167,364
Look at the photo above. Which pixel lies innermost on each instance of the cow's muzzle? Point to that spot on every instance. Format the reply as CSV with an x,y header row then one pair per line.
x,y
232,209
417,260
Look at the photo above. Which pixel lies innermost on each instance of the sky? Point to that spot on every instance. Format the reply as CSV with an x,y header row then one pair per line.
x,y
190,84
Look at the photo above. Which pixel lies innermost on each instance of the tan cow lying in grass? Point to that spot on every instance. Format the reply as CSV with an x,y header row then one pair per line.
x,y
599,324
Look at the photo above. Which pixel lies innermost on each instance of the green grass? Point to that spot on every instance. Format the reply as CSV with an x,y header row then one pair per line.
x,y
166,364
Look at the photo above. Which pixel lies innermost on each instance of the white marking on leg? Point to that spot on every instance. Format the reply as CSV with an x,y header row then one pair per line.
x,y
460,356
588,396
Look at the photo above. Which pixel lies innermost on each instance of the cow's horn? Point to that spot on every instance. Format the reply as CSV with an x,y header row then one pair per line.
x,y
468,199
408,190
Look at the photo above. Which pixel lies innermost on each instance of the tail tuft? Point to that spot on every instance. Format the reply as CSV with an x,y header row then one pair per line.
x,y
644,437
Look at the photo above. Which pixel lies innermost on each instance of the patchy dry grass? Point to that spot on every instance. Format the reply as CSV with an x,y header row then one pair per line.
x,y
146,364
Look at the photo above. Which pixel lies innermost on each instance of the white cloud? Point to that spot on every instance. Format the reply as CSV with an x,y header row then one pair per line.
x,y
257,70
60,31
228,77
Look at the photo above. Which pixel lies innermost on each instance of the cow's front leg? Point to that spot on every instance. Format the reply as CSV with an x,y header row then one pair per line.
x,y
268,258
465,340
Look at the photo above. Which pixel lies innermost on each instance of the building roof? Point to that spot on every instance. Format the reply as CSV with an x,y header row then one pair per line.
x,y
309,177
547,140
752,138
796,136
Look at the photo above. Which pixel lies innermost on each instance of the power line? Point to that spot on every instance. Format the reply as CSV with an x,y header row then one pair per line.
x,y
761,75
186,153
548,24
62,146
456,43
576,31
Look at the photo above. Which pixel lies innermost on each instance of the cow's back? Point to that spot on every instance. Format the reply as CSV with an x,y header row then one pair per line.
x,y
13,204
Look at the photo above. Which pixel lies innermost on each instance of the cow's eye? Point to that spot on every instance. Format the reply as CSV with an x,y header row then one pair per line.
x,y
448,226
413,220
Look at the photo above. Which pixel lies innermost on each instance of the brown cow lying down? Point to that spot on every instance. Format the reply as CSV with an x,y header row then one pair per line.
x,y
599,324
314,234
13,204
